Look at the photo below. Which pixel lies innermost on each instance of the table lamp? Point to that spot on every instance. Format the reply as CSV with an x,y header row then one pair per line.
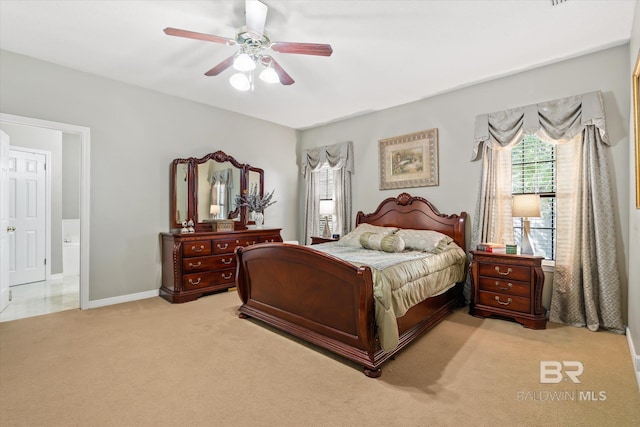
x,y
326,209
526,206
214,211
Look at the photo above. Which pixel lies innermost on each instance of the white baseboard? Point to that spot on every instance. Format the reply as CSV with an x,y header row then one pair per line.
x,y
634,357
55,276
123,298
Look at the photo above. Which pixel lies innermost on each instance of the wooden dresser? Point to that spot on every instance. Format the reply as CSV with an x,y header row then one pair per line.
x,y
508,286
198,263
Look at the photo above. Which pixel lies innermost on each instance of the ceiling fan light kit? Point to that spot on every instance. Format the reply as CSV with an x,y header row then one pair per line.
x,y
243,62
253,42
241,81
269,75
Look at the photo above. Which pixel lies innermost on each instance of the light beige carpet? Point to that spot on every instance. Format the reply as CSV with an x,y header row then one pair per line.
x,y
151,363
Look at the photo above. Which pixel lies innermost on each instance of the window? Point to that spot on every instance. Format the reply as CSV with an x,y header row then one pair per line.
x,y
325,194
533,170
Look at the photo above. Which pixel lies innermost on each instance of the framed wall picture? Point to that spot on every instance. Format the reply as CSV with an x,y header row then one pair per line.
x,y
636,126
409,160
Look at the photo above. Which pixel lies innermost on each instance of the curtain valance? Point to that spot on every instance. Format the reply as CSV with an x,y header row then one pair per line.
x,y
337,156
559,120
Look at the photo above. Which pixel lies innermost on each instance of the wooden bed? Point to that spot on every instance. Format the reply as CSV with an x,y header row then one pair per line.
x,y
329,302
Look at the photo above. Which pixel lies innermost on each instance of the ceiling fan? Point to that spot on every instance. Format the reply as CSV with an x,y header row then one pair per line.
x,y
254,43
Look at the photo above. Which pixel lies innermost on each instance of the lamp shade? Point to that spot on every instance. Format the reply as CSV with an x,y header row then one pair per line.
x,y
526,205
326,207
243,62
240,82
269,75
214,210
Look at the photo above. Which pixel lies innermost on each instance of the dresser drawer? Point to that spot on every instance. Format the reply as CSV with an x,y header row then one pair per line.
x,y
507,302
270,239
505,271
208,278
190,265
198,248
507,287
230,245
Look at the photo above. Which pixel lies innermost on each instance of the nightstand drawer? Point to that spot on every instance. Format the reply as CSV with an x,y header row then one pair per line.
x,y
507,287
505,271
506,302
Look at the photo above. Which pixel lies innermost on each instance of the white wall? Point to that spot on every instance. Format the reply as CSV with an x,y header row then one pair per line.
x,y
71,162
453,113
634,214
135,133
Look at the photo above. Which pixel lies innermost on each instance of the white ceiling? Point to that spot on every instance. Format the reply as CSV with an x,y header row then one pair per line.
x,y
386,53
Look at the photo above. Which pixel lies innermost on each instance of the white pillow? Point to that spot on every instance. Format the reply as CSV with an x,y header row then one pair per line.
x,y
424,240
352,238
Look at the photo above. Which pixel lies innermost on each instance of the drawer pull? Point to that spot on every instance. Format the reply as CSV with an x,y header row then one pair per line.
x,y
195,265
509,271
200,249
224,276
509,285
250,243
226,245
227,261
509,301
197,282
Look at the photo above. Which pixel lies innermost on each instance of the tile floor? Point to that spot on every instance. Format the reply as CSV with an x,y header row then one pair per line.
x,y
35,299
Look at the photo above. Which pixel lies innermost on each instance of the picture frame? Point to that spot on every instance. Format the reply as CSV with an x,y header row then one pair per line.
x,y
409,160
636,125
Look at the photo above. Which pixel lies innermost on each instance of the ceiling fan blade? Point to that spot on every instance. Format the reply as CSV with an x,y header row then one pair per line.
x,y
256,15
220,67
198,36
302,48
284,77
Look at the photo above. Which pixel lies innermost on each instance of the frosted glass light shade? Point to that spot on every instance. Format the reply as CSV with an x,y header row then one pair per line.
x,y
243,62
269,75
240,81
526,205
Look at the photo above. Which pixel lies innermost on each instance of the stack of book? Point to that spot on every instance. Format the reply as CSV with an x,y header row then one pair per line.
x,y
497,248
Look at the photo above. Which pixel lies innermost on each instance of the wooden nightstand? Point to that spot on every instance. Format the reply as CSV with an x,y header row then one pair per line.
x,y
316,239
509,286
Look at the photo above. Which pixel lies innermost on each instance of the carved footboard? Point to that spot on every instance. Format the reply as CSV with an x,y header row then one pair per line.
x,y
326,301
311,295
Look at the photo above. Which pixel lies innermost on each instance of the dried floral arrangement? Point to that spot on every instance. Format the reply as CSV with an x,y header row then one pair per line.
x,y
254,201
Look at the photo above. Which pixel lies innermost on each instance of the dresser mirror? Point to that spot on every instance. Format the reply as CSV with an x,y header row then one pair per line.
x,y
205,189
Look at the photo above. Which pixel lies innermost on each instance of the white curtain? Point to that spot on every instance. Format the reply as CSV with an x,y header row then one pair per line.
x,y
586,288
222,177
340,158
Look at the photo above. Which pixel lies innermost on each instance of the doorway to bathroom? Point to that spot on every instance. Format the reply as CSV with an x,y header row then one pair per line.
x,y
67,259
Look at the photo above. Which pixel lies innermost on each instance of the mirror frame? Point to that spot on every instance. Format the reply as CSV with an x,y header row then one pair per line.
x,y
192,193
246,189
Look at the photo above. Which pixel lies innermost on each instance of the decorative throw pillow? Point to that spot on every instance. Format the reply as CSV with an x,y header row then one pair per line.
x,y
352,238
388,243
424,240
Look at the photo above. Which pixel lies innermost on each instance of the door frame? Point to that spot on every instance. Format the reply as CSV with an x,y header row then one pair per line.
x,y
47,203
85,145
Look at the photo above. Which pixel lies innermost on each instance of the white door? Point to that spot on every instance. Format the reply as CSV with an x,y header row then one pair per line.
x,y
27,214
4,220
